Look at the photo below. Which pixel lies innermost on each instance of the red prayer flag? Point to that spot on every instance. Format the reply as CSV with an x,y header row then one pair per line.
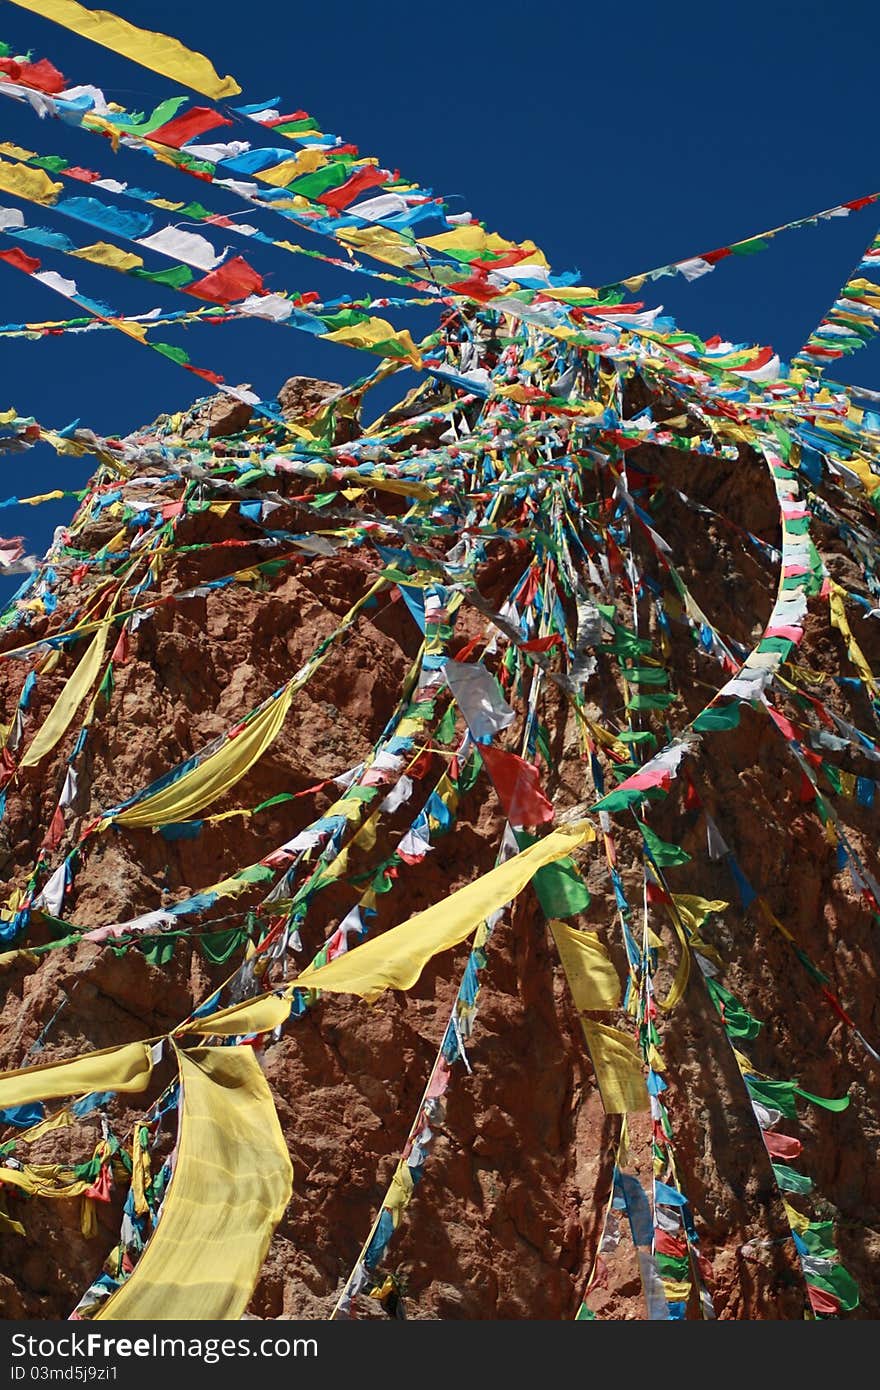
x,y
203,372
692,800
516,783
21,262
55,833
542,644
823,1302
339,198
43,76
187,126
665,1244
100,1190
120,651
476,287
235,279
782,1145
783,724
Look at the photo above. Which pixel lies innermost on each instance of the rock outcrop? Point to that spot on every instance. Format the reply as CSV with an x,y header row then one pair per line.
x,y
507,1220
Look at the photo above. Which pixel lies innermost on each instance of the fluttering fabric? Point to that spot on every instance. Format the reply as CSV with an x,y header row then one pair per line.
x,y
231,1182
396,959
161,54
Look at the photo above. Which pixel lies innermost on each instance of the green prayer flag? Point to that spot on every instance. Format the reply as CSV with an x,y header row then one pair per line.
x,y
718,717
838,1282
623,798
738,1022
561,890
559,887
644,675
446,727
636,736
750,247
255,873
650,701
663,854
158,949
218,946
790,1181
176,354
775,1095
274,801
818,1239
825,1102
175,277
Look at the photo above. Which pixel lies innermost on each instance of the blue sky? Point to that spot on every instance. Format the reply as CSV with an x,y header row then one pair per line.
x,y
618,137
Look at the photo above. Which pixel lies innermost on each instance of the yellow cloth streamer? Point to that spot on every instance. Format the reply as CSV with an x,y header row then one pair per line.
x,y
215,776
400,1190
377,335
694,910
251,1016
126,1068
618,1068
62,1119
58,720
854,651
474,240
231,1182
591,977
34,185
102,253
384,244
44,1180
396,959
157,52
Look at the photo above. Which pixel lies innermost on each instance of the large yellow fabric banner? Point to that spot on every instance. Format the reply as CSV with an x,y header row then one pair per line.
x,y
158,52
215,776
231,1183
396,959
126,1068
58,720
259,1015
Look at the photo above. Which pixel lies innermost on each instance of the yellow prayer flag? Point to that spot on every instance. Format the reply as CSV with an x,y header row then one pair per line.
x,y
400,1190
158,52
396,959
103,253
231,1183
377,335
62,1119
46,1180
216,775
475,240
382,243
797,1222
676,1290
280,175
693,910
618,1068
126,1068
591,977
57,721
15,151
258,1015
34,185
